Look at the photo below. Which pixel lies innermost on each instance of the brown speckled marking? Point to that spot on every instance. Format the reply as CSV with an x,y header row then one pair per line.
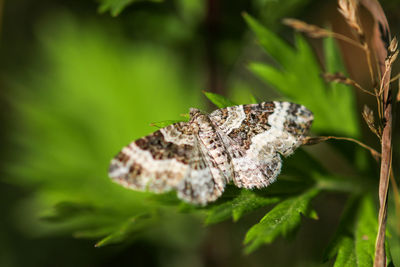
x,y
292,123
256,122
160,149
122,157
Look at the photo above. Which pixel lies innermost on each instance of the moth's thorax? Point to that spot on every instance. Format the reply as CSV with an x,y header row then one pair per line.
x,y
212,143
200,122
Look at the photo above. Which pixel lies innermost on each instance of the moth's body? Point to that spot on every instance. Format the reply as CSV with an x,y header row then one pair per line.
x,y
198,158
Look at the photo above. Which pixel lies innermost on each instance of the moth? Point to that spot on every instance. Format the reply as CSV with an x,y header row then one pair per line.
x,y
240,144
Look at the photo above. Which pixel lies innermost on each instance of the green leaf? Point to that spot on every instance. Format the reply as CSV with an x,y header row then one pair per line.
x,y
297,75
394,230
281,220
129,228
346,255
66,210
277,48
219,100
340,242
247,201
116,6
254,99
272,11
354,241
365,232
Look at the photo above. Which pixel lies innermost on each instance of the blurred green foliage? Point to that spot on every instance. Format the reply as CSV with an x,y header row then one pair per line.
x,y
92,90
116,6
98,95
298,76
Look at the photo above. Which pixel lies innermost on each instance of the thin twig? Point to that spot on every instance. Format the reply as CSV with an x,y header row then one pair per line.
x,y
369,63
386,159
380,258
349,10
319,139
379,105
397,76
340,78
317,32
385,95
382,86
347,39
398,92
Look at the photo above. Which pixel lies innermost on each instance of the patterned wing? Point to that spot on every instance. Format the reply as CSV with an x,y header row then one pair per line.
x,y
157,162
255,135
171,158
204,182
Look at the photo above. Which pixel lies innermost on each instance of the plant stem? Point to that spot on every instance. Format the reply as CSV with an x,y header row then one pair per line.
x,y
346,39
368,56
316,140
397,76
386,161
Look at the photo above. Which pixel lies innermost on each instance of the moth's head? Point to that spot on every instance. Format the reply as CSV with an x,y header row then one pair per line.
x,y
198,117
194,113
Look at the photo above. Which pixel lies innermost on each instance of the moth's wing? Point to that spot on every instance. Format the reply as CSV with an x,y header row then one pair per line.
x,y
256,168
157,162
256,134
204,182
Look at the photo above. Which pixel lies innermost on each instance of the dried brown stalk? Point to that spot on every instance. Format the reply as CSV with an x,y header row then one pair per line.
x,y
311,30
393,53
340,78
316,140
317,32
398,93
369,118
385,97
396,77
380,79
349,10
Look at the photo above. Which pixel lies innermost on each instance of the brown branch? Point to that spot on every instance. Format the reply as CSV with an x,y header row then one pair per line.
x,y
397,76
318,32
398,92
380,257
315,140
369,62
386,162
340,78
349,10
